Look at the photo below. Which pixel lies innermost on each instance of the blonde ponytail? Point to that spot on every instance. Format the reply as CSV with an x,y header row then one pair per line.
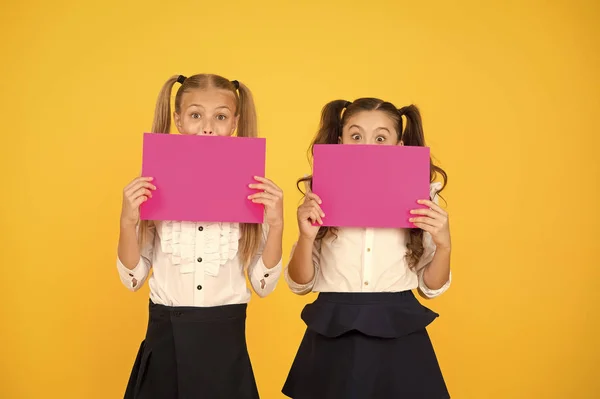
x,y
161,124
247,127
162,111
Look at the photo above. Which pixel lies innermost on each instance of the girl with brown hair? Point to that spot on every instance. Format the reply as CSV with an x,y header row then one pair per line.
x,y
195,345
366,333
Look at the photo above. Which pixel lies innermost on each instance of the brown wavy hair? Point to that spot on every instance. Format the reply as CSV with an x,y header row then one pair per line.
x,y
247,127
333,119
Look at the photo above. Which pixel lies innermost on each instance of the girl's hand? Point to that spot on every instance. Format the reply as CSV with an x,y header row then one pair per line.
x,y
434,221
310,212
134,194
272,199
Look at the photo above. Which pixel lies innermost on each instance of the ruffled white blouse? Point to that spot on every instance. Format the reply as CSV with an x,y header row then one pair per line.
x,y
197,264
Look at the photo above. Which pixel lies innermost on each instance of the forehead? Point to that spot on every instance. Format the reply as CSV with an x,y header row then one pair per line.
x,y
371,120
208,98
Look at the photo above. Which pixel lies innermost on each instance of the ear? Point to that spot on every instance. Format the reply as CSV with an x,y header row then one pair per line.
x,y
177,119
401,142
235,124
339,139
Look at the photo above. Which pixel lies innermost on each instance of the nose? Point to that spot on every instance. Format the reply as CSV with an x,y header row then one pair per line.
x,y
207,129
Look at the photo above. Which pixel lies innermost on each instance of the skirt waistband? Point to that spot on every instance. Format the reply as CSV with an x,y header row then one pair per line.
x,y
192,313
359,298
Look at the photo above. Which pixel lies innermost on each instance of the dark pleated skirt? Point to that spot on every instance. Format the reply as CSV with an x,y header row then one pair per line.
x,y
192,352
366,346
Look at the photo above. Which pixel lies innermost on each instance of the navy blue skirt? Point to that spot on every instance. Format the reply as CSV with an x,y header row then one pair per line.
x,y
366,346
193,352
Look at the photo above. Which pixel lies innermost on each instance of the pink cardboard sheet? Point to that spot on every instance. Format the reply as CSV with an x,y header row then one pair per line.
x,y
370,185
202,178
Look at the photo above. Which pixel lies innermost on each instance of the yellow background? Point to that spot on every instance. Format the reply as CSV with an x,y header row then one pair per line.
x,y
510,95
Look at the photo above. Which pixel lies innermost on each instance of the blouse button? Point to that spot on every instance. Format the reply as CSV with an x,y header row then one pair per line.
x,y
266,275
199,287
200,228
368,249
366,283
199,260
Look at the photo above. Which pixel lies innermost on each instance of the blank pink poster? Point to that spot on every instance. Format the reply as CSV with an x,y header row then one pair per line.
x,y
202,178
370,185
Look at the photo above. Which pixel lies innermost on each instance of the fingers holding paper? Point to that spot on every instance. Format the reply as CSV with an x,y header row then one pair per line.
x,y
134,194
267,186
433,220
271,197
309,213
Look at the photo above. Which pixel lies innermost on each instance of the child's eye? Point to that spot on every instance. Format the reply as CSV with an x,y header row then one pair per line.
x,y
380,139
221,117
195,115
355,137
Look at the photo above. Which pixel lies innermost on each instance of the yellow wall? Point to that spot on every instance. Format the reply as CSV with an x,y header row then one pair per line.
x,y
510,95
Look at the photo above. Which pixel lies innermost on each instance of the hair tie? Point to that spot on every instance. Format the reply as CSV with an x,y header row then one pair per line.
x,y
348,103
181,79
236,84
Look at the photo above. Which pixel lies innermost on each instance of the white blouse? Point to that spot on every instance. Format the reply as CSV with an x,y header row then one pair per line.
x,y
197,264
368,260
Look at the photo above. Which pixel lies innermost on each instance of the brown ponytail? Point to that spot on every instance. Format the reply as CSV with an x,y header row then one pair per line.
x,y
330,131
413,132
413,136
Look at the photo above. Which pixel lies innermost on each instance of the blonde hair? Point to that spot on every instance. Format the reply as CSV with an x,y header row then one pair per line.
x,y
247,127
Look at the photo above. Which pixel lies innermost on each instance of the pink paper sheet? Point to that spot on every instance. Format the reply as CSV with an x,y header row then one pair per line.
x,y
370,185
202,178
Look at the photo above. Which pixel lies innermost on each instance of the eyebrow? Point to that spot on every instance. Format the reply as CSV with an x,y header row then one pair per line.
x,y
200,106
379,128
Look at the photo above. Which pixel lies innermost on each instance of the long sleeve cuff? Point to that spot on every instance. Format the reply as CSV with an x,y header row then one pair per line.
x,y
431,293
300,289
263,279
138,273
